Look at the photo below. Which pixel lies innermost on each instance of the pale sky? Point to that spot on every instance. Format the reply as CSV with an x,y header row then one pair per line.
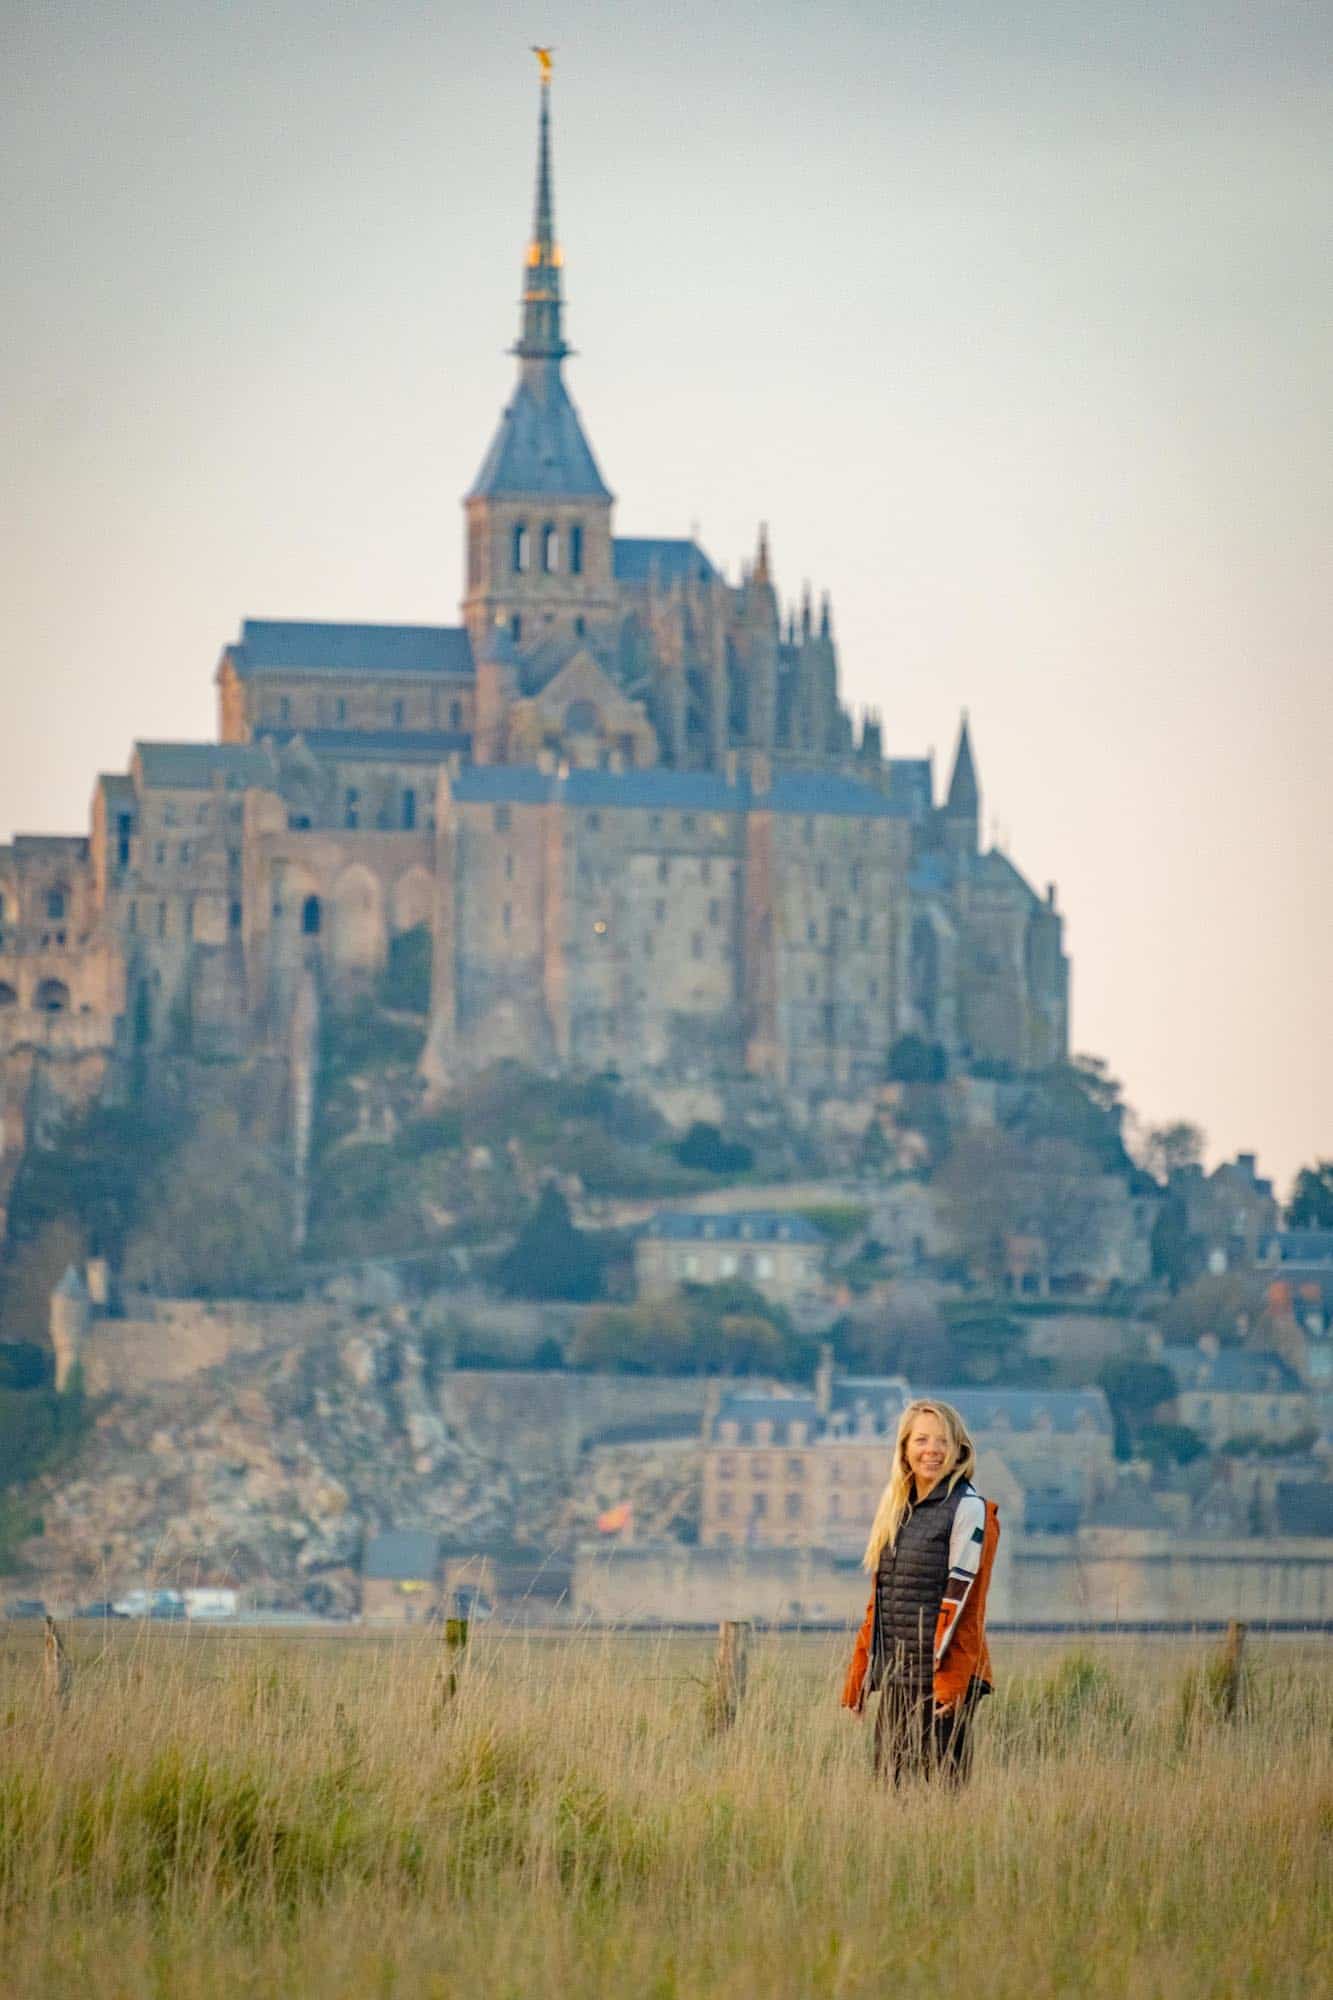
x,y
1013,321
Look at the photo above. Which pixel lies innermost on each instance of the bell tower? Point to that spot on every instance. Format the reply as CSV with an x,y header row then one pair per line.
x,y
538,557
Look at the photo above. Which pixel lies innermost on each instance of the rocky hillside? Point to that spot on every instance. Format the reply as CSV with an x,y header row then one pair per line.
x,y
271,1471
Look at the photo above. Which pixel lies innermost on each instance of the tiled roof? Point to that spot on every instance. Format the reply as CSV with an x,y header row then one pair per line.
x,y
408,1555
634,558
739,1226
402,746
278,645
1232,1370
195,766
539,448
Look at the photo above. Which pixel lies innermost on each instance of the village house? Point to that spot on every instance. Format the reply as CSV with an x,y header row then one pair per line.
x,y
781,1255
803,1471
1226,1394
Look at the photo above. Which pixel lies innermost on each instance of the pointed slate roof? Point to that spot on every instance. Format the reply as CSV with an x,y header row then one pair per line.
x,y
539,447
964,792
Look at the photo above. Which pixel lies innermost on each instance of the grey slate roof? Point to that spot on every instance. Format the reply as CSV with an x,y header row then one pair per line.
x,y
634,557
1232,1370
277,645
539,449
911,785
745,1411
1297,1246
810,793
1304,1507
994,870
406,1555
195,766
982,1410
1024,1409
768,1225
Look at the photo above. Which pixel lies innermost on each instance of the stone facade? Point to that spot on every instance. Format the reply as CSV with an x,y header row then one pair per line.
x,y
781,1255
624,797
1095,1578
807,1471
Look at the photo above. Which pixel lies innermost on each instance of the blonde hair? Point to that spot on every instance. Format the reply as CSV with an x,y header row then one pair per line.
x,y
895,1502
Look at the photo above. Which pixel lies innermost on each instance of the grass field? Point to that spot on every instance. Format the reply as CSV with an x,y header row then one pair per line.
x,y
232,1813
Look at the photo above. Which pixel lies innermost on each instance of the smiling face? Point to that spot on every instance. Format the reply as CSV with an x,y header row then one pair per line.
x,y
927,1450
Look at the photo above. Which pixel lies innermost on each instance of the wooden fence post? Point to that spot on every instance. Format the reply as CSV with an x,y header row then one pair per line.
x,y
729,1668
58,1668
1229,1678
455,1648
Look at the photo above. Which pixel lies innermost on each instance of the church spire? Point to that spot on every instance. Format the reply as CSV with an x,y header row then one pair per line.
x,y
541,337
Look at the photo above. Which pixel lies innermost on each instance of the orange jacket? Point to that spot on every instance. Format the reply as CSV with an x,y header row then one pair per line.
x,y
963,1655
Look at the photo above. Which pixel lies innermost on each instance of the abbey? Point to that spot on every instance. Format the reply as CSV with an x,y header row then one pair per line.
x,y
622,799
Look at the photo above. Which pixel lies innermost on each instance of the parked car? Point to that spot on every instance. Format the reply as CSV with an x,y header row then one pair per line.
x,y
99,1610
25,1607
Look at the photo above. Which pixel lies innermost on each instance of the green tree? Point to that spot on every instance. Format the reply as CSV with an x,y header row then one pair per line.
x,y
703,1146
1225,1304
913,1060
1311,1204
551,1258
1169,1444
1167,1149
1135,1389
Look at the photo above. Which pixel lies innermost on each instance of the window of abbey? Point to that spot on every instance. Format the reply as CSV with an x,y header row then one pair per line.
x,y
550,549
520,550
576,549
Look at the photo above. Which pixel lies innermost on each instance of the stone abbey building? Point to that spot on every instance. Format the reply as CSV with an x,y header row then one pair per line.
x,y
623,797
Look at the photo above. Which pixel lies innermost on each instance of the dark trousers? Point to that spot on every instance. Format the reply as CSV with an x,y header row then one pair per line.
x,y
913,1741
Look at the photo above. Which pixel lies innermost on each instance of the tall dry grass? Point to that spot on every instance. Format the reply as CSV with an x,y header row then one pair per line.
x,y
229,1813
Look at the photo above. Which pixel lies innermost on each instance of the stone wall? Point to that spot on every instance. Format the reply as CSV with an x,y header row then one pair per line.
x,y
1098,1579
168,1340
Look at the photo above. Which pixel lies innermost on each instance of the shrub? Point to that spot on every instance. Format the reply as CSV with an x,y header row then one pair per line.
x,y
912,1060
703,1146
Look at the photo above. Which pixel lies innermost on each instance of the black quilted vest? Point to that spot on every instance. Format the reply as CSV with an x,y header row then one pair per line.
x,y
909,1585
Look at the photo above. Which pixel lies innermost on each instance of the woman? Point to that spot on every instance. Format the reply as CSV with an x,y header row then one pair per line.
x,y
923,1643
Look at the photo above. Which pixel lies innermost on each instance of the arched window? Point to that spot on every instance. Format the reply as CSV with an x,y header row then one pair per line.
x,y
521,548
311,916
516,627
550,549
581,718
52,997
8,997
576,549
57,901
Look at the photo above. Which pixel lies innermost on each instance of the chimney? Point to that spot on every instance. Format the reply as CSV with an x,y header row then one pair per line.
x,y
824,1379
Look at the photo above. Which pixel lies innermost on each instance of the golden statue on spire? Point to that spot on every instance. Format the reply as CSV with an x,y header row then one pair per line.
x,y
544,58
